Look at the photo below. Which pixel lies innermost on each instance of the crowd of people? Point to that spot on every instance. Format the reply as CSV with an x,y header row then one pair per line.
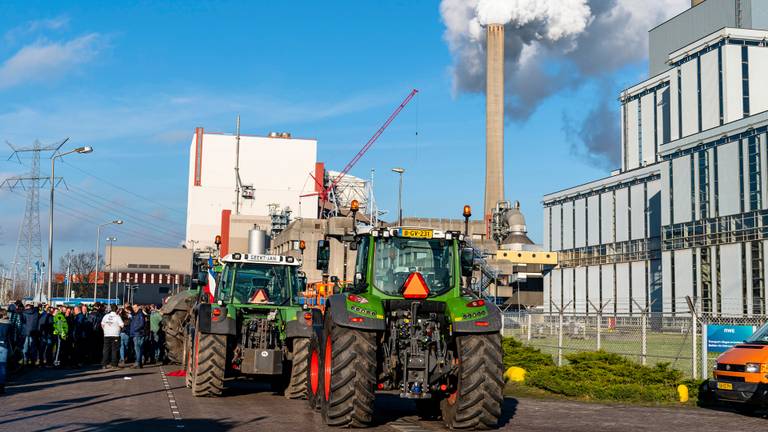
x,y
40,335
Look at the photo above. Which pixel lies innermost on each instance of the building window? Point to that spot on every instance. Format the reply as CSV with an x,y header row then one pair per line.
x,y
741,176
671,195
717,184
718,287
705,270
694,276
720,83
753,154
698,87
703,184
672,278
679,103
640,132
745,79
758,281
744,293
624,135
693,187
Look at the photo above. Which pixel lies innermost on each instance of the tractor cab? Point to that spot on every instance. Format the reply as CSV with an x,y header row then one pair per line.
x,y
259,280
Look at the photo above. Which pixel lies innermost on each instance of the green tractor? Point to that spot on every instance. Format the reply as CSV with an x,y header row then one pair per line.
x,y
408,324
253,325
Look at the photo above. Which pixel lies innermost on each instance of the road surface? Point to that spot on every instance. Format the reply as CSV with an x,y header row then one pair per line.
x,y
144,400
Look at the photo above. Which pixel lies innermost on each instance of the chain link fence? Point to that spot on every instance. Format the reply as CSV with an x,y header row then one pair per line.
x,y
646,337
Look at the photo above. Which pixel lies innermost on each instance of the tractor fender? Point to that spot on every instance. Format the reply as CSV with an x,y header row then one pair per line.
x,y
209,322
337,304
493,319
300,327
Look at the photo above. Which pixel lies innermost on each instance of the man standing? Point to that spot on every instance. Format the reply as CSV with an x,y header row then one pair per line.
x,y
154,327
5,342
137,333
46,336
111,325
60,332
31,325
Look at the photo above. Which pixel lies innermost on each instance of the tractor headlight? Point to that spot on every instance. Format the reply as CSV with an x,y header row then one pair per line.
x,y
752,368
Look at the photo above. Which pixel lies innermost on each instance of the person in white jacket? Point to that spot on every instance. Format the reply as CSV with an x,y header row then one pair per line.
x,y
111,324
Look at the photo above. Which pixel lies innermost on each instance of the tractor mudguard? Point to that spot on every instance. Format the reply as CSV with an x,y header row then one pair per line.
x,y
493,320
299,327
337,304
211,323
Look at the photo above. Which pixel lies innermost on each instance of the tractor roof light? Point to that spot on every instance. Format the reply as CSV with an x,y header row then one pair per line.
x,y
302,245
467,211
217,240
354,206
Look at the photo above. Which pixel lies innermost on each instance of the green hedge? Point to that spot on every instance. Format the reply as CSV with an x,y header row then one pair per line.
x,y
528,358
606,376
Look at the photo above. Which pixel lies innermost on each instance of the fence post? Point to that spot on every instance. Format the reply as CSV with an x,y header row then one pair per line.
x,y
704,351
503,318
560,311
599,311
694,331
644,336
530,323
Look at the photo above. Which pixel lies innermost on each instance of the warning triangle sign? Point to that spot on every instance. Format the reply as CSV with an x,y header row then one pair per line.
x,y
415,287
259,297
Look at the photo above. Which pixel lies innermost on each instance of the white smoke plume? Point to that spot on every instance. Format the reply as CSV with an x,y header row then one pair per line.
x,y
551,45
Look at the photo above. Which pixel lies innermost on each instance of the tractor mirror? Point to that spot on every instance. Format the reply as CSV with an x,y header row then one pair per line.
x,y
467,261
334,279
353,246
323,255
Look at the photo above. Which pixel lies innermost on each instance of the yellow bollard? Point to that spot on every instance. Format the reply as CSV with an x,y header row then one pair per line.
x,y
515,374
682,391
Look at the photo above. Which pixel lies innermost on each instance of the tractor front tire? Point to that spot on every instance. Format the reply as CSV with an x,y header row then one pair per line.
x,y
173,328
476,402
349,376
209,363
297,386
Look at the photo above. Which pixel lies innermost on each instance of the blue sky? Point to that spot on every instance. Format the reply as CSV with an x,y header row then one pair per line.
x,y
133,80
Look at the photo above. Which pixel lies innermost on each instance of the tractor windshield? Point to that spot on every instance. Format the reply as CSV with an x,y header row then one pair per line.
x,y
395,258
259,283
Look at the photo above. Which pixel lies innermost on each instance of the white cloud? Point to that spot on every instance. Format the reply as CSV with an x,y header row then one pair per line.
x,y
36,26
44,60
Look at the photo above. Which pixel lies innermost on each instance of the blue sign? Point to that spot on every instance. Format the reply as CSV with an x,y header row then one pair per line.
x,y
720,338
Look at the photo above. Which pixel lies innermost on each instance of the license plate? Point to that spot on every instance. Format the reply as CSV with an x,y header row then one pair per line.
x,y
724,386
416,233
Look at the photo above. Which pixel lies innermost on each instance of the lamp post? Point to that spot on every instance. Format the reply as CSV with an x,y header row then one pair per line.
x,y
98,234
109,284
81,150
400,195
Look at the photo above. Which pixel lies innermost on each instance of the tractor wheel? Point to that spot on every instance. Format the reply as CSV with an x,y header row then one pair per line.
x,y
173,329
188,363
210,356
349,376
476,401
314,379
297,386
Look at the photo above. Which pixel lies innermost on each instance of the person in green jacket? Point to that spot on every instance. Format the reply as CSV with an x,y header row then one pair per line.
x,y
156,334
60,331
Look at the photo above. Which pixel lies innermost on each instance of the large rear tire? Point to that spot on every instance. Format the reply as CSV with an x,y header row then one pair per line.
x,y
209,362
476,403
349,375
297,387
190,371
175,336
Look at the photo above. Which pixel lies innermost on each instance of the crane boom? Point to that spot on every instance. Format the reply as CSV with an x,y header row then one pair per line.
x,y
368,145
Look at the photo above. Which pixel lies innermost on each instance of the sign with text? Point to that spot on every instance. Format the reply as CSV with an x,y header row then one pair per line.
x,y
722,337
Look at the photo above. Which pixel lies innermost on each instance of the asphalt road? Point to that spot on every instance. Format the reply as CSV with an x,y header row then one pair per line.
x,y
142,400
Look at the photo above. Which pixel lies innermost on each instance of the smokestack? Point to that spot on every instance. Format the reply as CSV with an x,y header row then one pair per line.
x,y
494,120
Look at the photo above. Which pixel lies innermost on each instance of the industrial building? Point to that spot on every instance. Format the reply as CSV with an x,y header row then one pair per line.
x,y
253,176
685,214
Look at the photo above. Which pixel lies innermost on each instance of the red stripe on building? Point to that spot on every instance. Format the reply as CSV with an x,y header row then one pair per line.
x,y
198,156
319,176
225,217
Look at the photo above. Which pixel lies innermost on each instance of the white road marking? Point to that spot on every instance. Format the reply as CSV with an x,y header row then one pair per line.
x,y
171,399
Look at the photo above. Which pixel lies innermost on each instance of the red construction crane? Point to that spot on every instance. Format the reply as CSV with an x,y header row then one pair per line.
x,y
325,191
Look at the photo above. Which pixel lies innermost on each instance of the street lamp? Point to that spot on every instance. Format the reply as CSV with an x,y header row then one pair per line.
x,y
98,234
109,284
80,150
400,195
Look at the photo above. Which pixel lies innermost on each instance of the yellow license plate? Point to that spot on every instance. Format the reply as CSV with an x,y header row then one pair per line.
x,y
416,233
724,386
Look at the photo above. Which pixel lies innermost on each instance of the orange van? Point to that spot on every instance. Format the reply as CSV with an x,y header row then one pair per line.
x,y
741,374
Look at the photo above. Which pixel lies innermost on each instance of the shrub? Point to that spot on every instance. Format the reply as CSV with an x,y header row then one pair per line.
x,y
606,376
528,358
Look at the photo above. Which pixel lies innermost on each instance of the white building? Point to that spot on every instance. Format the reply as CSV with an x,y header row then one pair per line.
x,y
276,168
687,215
